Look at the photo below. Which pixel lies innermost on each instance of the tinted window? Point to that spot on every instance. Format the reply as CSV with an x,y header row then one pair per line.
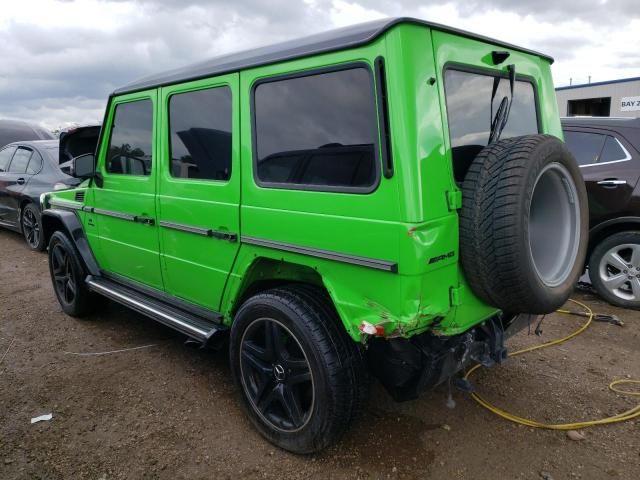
x,y
130,147
20,161
612,151
586,147
317,130
468,97
35,164
200,124
5,157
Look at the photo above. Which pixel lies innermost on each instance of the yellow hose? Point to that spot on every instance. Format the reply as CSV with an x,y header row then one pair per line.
x,y
621,417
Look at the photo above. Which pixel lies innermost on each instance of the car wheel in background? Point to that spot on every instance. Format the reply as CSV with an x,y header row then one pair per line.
x,y
614,269
32,227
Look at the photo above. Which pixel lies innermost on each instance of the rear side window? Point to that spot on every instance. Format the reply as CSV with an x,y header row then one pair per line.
x,y
317,131
586,147
129,150
5,157
200,129
613,151
468,99
20,161
35,164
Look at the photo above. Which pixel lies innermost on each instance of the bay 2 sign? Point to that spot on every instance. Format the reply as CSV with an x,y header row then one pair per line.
x,y
629,104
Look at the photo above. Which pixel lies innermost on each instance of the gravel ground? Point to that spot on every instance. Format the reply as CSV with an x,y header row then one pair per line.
x,y
170,410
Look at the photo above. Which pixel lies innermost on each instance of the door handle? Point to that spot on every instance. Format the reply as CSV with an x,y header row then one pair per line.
x,y
612,182
20,181
144,220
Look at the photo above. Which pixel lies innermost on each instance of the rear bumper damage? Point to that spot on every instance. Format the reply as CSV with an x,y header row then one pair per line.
x,y
408,367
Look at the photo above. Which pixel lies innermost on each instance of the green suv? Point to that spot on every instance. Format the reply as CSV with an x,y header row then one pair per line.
x,y
386,200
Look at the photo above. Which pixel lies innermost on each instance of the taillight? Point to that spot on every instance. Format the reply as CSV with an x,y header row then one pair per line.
x,y
371,329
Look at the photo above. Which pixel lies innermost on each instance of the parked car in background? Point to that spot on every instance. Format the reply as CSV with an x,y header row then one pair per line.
x,y
18,131
608,151
28,169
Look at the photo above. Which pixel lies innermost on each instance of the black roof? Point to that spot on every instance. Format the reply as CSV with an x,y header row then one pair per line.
x,y
339,39
605,122
595,84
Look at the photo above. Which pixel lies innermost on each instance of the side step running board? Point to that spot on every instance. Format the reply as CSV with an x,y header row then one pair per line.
x,y
194,327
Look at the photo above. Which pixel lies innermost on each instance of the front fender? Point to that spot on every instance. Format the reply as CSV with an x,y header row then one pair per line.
x,y
54,219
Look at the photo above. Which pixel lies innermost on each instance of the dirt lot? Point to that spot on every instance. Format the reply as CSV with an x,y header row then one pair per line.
x,y
169,411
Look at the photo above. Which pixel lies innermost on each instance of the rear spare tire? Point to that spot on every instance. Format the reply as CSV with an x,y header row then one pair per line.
x,y
523,224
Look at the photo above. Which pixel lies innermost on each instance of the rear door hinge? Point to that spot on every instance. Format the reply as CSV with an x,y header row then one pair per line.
x,y
454,199
454,296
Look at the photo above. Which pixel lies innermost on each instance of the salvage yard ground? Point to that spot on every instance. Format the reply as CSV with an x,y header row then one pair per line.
x,y
170,411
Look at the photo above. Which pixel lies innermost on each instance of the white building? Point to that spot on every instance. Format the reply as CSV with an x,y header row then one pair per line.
x,y
615,98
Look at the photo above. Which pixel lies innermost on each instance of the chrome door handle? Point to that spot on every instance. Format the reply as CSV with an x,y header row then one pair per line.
x,y
20,181
612,183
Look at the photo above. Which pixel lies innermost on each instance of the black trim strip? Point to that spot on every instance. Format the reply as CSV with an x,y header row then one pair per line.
x,y
111,213
327,254
206,232
64,204
120,215
383,115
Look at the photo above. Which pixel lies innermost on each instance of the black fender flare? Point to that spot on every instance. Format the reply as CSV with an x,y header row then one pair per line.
x,y
614,221
58,219
600,231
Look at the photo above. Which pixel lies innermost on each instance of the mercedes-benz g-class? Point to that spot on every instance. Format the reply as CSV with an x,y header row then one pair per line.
x,y
386,199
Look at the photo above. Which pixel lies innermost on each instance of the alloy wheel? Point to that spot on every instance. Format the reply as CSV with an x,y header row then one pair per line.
x,y
276,375
63,274
31,228
619,271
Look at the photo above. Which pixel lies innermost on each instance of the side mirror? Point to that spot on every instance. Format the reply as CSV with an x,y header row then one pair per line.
x,y
83,166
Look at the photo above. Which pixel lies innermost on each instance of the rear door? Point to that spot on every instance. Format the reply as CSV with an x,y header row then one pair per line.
x,y
610,169
5,158
124,207
199,188
13,182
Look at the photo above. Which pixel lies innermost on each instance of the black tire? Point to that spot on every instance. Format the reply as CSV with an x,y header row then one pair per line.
x,y
627,295
355,354
31,224
68,277
523,224
325,396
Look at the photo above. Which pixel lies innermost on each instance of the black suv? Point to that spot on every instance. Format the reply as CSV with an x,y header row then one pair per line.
x,y
608,151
